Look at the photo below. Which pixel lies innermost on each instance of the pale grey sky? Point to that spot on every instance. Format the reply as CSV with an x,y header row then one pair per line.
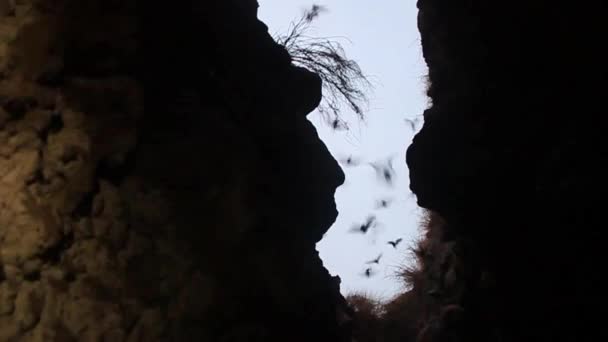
x,y
383,38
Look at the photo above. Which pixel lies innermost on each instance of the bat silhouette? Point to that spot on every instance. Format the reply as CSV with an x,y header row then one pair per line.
x,y
370,222
338,125
369,272
375,261
314,12
383,203
395,243
350,161
412,123
385,171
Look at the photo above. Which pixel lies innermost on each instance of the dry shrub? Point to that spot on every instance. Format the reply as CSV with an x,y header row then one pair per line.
x,y
368,312
418,314
343,79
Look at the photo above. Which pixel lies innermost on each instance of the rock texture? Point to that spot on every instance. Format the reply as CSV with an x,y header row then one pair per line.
x,y
510,167
509,160
159,180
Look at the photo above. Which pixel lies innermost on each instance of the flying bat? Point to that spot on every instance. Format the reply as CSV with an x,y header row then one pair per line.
x,y
350,161
376,260
395,243
370,222
412,123
383,203
369,272
384,171
339,125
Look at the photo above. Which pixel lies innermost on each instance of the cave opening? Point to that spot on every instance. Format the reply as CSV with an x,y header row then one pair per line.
x,y
385,42
172,187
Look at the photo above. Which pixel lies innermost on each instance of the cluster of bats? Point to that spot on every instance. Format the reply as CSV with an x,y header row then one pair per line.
x,y
386,174
339,125
365,227
384,170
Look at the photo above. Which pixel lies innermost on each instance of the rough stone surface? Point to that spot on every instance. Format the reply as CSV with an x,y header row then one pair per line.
x,y
510,158
159,182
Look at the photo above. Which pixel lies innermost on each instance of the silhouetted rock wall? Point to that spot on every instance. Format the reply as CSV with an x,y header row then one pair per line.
x,y
511,156
159,180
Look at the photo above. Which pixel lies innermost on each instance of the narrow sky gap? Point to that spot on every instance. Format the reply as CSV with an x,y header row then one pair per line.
x,y
385,42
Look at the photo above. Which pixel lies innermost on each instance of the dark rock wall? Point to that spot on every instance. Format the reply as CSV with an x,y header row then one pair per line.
x,y
159,180
512,157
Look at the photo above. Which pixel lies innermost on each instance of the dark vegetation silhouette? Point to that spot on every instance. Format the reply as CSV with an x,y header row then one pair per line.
x,y
429,308
343,80
367,316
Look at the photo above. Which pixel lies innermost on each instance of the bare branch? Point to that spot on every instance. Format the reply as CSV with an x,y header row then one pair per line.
x,y
343,79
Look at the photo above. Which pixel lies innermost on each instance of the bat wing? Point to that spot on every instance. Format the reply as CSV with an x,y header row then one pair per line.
x,y
376,166
355,228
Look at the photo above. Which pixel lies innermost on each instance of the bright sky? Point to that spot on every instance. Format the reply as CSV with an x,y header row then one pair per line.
x,y
384,40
